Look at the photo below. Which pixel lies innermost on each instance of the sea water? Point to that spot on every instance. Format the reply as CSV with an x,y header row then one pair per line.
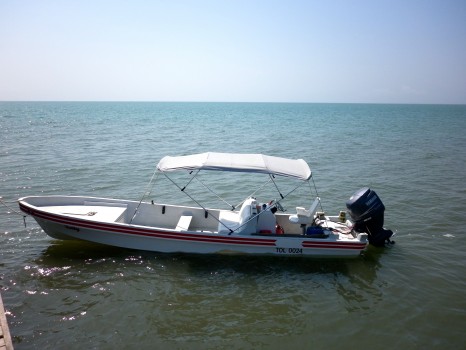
x,y
70,295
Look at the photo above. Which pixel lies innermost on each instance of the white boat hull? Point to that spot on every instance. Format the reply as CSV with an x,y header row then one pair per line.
x,y
110,222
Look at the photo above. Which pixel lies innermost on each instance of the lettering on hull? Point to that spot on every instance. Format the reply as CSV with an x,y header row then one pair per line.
x,y
289,250
72,228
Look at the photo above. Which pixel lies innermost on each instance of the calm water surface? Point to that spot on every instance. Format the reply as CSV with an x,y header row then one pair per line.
x,y
69,295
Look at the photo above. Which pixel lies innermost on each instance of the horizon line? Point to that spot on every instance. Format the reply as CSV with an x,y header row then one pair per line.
x,y
233,102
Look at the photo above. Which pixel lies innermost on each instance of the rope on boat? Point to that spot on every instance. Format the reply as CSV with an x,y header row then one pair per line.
x,y
14,211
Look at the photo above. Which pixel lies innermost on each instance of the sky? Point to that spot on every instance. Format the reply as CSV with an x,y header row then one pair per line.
x,y
328,51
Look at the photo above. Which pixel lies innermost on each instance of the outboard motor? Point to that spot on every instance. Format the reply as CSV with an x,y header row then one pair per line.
x,y
367,211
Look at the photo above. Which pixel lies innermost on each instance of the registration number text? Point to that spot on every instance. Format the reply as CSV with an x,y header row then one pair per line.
x,y
289,250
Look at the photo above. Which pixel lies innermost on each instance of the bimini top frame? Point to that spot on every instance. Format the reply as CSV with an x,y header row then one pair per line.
x,y
232,162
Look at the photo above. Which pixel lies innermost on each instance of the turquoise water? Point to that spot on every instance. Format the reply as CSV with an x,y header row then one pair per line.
x,y
73,295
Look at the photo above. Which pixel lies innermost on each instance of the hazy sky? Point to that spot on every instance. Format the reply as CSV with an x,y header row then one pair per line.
x,y
394,51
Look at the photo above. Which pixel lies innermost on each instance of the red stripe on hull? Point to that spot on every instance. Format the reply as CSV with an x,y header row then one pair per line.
x,y
334,245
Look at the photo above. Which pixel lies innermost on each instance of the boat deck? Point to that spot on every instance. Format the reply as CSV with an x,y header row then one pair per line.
x,y
90,212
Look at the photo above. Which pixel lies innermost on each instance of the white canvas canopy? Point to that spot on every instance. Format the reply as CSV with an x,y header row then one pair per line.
x,y
252,163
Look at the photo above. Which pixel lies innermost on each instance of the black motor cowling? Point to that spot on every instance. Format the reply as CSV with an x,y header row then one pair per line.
x,y
367,211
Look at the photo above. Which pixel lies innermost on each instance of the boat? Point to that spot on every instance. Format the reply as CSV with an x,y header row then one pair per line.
x,y
253,226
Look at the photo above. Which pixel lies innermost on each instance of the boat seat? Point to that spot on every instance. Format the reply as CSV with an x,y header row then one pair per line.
x,y
232,220
183,223
304,216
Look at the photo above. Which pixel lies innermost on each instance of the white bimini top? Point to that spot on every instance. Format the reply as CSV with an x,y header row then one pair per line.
x,y
237,162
